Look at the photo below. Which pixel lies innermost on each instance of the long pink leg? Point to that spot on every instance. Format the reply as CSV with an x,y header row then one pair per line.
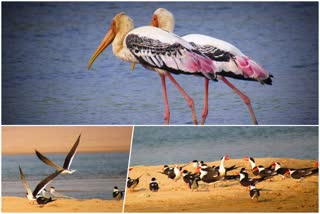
x,y
165,100
205,101
245,99
186,97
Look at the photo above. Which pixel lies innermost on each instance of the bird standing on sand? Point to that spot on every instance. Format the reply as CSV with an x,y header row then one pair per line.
x,y
67,162
34,196
254,192
116,194
154,186
301,173
246,181
132,183
229,61
191,179
265,173
223,170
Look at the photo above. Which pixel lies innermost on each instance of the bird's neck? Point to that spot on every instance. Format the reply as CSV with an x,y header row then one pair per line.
x,y
119,46
167,25
253,164
222,164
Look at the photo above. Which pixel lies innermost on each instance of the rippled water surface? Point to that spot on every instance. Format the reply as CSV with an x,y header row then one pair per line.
x,y
95,177
163,145
46,47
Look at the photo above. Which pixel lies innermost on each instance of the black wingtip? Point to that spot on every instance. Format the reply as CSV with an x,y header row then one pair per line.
x,y
268,81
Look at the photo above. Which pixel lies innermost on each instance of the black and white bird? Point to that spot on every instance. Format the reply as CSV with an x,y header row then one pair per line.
x,y
132,183
167,170
116,194
222,169
281,171
246,181
36,194
67,162
265,173
57,195
154,186
209,175
301,173
253,165
191,179
254,192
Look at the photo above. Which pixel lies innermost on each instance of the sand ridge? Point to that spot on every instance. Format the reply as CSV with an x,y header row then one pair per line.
x,y
279,195
18,204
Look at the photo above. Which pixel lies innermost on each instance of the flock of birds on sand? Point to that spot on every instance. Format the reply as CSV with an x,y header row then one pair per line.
x,y
40,194
157,48
212,174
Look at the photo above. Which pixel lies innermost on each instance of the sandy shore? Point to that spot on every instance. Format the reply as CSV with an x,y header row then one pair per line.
x,y
278,195
18,204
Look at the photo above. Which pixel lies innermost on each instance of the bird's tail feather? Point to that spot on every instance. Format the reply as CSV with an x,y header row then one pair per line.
x,y
253,70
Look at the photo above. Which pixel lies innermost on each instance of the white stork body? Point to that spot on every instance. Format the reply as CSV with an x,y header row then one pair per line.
x,y
155,49
229,60
160,49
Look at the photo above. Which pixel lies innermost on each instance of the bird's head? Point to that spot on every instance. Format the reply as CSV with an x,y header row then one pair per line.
x,y
120,23
163,19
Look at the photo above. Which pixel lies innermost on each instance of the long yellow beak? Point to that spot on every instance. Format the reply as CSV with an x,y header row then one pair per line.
x,y
103,45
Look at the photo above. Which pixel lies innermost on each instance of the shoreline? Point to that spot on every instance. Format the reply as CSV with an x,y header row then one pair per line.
x,y
64,152
279,195
19,204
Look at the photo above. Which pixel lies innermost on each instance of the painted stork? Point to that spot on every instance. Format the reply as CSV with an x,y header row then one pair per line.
x,y
229,60
155,49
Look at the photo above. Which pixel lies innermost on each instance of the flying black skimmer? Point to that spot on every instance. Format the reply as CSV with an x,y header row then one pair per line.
x,y
223,170
191,179
154,186
67,162
116,194
254,192
246,181
35,195
132,183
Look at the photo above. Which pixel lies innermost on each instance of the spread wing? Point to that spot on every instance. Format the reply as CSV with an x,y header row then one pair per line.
x,y
71,154
47,161
45,182
24,181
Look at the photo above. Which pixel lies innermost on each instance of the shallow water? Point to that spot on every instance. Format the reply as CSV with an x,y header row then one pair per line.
x,y
95,177
46,47
166,145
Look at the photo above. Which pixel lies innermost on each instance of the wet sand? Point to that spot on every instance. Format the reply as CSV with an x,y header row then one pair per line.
x,y
278,195
18,204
